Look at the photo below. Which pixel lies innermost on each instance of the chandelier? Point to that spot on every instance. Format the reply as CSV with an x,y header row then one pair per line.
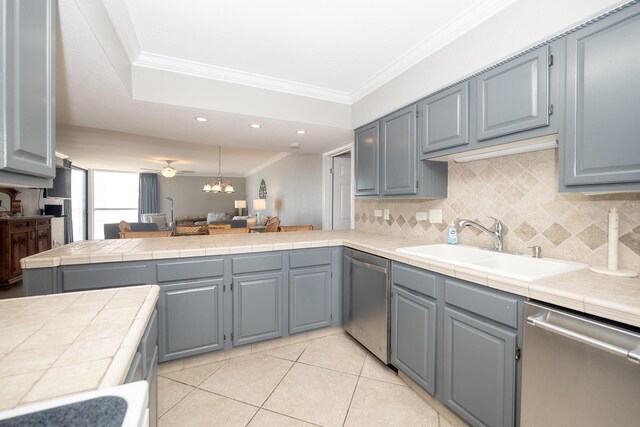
x,y
217,185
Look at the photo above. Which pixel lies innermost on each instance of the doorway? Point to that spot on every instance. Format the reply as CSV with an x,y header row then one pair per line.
x,y
338,202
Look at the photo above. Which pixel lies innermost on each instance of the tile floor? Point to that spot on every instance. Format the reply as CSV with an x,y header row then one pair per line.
x,y
327,381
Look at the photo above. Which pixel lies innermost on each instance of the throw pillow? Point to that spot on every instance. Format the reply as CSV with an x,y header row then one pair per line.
x,y
215,216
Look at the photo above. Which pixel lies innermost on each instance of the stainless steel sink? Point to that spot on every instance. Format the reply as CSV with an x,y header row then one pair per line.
x,y
503,264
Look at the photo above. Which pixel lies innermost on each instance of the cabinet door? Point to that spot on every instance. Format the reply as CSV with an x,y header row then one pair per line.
x,y
514,96
43,240
413,337
257,307
190,318
367,152
398,152
27,67
479,370
309,298
443,121
21,247
603,102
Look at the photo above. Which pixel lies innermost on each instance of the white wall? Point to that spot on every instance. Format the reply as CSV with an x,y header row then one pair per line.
x,y
294,189
521,24
190,200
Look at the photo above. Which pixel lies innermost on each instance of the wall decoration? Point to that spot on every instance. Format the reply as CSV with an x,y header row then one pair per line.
x,y
262,192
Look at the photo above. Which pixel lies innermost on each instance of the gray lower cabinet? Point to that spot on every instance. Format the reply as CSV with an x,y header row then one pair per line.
x,y
398,153
27,67
257,307
443,119
479,370
190,316
367,164
601,150
514,97
309,298
413,336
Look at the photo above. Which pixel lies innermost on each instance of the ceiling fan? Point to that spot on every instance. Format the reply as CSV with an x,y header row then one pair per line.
x,y
168,171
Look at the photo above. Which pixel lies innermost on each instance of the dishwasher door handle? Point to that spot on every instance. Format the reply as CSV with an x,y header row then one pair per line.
x,y
370,266
538,320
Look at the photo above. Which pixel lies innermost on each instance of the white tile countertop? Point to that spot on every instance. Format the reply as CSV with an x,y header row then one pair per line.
x,y
55,345
610,297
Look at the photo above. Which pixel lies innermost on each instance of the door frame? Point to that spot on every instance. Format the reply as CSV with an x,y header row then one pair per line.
x,y
327,185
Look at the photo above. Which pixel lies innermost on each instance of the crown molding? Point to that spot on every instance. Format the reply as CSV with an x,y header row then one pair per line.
x,y
448,32
269,162
198,69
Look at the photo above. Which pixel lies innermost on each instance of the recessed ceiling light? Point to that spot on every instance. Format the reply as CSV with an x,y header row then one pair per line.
x,y
294,145
301,132
255,125
201,119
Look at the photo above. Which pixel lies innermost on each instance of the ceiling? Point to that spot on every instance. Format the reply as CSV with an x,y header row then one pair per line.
x,y
149,67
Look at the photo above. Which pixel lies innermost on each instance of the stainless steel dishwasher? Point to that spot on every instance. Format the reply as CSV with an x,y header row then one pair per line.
x,y
577,371
366,301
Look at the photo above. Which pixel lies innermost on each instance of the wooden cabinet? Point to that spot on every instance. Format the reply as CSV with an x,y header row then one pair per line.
x,y
21,237
27,118
443,120
366,160
190,316
601,149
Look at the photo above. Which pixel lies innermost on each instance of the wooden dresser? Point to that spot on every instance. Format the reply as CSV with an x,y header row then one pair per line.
x,y
20,237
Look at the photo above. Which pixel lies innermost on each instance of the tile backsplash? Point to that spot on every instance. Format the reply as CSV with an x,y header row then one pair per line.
x,y
522,191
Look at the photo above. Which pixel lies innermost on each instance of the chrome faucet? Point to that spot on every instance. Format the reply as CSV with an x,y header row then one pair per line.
x,y
496,234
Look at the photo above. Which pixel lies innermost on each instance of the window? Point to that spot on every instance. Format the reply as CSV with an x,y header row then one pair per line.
x,y
115,199
79,203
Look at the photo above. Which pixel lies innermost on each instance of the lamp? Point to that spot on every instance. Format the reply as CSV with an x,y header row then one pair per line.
x,y
259,205
217,186
168,172
240,205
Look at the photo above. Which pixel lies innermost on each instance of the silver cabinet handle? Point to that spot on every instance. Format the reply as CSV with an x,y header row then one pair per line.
x,y
370,266
538,321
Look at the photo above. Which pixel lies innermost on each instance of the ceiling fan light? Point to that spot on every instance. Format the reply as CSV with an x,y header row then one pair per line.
x,y
168,172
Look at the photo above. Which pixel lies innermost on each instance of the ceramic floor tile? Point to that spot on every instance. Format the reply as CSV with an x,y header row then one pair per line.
x,y
290,352
373,368
169,393
250,379
194,376
13,388
266,418
317,395
201,408
377,403
338,352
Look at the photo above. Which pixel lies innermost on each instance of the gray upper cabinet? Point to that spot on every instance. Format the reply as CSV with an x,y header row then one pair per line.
x,y
257,307
367,160
27,65
398,152
514,96
479,370
443,119
602,145
309,298
190,317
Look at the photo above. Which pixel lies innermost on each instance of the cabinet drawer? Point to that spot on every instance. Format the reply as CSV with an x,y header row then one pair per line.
x,y
309,258
21,225
415,279
94,276
149,343
484,302
256,263
185,270
135,371
43,223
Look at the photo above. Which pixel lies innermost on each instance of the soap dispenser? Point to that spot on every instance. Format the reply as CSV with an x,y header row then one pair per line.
x,y
452,236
